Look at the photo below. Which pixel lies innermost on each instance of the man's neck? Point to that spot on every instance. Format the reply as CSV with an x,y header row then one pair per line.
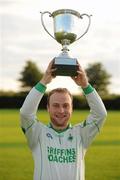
x,y
59,129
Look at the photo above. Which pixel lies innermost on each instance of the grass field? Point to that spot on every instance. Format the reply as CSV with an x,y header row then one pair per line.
x,y
102,158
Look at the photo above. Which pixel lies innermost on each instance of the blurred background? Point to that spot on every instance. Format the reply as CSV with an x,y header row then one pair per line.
x,y
25,52
23,38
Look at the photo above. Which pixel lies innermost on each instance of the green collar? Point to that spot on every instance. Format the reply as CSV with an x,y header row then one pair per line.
x,y
61,130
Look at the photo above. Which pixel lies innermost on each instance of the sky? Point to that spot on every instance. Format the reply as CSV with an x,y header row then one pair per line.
x,y
23,38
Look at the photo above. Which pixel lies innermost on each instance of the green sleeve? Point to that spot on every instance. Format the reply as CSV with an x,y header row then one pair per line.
x,y
40,87
88,89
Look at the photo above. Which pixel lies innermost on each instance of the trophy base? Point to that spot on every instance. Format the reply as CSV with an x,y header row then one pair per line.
x,y
65,66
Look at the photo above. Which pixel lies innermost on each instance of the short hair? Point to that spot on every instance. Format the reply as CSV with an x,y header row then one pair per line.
x,y
59,90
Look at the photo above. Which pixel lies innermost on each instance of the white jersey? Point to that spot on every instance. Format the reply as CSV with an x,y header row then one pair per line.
x,y
60,156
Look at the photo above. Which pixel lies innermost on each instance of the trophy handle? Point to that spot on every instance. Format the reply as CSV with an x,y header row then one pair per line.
x,y
89,17
42,21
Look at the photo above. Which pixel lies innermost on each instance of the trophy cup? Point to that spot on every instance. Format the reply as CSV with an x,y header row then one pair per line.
x,y
65,32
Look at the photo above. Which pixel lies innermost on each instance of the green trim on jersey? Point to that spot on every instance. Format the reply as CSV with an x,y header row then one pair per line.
x,y
88,89
24,130
61,130
40,87
85,123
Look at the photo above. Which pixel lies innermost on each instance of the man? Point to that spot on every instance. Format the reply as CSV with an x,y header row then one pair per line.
x,y
59,149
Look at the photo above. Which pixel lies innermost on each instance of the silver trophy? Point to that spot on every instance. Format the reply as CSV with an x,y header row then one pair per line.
x,y
65,32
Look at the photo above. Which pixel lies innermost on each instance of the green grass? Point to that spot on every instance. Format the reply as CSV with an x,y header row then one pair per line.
x,y
102,158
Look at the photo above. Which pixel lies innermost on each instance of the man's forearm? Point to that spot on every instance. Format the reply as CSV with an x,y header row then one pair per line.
x,y
32,100
97,108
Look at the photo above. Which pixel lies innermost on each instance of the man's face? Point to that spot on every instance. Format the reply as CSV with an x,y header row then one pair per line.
x,y
60,109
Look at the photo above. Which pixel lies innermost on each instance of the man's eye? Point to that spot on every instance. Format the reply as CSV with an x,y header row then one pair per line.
x,y
66,105
56,105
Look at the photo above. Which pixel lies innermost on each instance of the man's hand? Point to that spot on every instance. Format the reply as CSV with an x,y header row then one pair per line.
x,y
81,79
47,77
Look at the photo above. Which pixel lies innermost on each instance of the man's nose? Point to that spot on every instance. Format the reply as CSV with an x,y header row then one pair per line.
x,y
61,109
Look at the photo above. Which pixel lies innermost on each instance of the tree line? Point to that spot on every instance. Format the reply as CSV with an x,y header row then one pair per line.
x,y
99,78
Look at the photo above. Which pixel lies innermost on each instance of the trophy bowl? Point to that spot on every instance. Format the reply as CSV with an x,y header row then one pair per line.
x,y
65,23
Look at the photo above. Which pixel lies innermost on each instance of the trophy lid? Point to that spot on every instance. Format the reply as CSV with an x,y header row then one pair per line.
x,y
65,11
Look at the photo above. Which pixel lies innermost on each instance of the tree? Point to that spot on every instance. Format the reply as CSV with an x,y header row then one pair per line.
x,y
30,75
98,78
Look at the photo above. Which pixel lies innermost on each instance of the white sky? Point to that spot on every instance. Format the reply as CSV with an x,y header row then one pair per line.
x,y
22,37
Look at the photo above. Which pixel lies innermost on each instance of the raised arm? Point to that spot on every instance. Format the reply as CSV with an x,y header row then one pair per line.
x,y
95,120
30,105
91,126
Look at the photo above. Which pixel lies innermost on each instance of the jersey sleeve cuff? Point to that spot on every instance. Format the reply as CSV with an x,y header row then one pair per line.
x,y
88,89
40,87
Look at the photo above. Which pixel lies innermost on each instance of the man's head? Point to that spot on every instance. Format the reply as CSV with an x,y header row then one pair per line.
x,y
59,106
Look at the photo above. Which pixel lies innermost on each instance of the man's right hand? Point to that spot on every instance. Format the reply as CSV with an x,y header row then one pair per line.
x,y
47,77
